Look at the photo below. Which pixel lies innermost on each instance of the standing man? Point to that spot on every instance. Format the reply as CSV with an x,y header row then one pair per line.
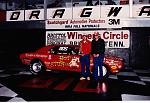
x,y
85,49
98,50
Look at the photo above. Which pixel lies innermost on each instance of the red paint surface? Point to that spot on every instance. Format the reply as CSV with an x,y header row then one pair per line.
x,y
64,61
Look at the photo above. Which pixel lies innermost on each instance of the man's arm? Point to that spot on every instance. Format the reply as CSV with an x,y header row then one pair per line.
x,y
80,47
92,46
103,46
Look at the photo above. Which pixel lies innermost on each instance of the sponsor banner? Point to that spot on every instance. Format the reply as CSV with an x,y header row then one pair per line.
x,y
95,12
84,23
119,11
141,11
113,39
17,15
59,13
37,14
84,12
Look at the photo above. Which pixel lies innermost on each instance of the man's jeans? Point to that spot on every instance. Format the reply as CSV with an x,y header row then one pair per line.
x,y
85,62
98,62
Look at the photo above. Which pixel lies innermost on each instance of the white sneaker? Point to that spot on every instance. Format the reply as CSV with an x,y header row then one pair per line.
x,y
82,78
88,78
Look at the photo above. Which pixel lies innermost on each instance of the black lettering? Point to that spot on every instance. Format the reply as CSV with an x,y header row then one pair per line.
x,y
121,44
115,44
114,21
15,16
35,14
85,13
145,11
114,10
118,44
59,12
68,26
106,43
110,44
74,43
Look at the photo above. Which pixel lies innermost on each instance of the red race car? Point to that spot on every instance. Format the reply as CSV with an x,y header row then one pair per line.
x,y
65,57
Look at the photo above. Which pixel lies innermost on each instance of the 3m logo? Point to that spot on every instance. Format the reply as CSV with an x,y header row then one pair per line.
x,y
114,22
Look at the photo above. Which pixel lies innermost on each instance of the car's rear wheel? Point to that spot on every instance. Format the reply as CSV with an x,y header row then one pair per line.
x,y
36,67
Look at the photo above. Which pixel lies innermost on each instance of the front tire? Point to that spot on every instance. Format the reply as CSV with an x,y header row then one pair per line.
x,y
106,72
36,67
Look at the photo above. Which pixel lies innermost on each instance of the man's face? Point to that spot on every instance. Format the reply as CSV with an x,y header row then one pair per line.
x,y
84,37
96,36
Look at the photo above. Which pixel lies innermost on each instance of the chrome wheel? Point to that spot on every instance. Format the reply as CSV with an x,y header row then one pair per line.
x,y
37,67
104,71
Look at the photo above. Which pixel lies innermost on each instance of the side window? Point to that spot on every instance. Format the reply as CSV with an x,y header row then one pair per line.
x,y
73,51
67,50
53,50
63,50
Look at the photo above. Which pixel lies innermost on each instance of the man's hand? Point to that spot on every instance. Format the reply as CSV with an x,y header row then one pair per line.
x,y
80,53
96,55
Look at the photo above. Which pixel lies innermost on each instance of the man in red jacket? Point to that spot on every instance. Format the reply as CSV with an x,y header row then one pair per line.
x,y
85,49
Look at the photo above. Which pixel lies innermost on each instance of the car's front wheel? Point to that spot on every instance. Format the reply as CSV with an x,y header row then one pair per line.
x,y
105,71
36,67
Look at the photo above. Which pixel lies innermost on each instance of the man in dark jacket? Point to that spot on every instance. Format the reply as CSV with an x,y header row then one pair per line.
x,y
98,50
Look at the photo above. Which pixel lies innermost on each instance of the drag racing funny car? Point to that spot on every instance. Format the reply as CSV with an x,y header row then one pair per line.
x,y
66,58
